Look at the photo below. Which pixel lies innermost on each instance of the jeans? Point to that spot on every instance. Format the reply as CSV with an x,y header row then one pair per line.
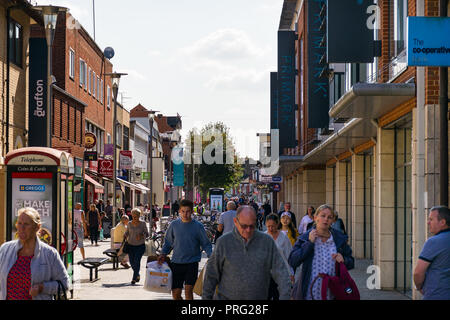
x,y
135,254
93,231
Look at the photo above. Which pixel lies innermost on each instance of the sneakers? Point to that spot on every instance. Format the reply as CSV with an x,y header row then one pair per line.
x,y
133,281
125,265
138,278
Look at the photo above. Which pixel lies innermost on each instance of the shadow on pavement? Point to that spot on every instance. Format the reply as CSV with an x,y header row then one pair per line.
x,y
120,285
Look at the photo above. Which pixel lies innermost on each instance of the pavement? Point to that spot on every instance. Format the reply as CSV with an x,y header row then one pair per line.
x,y
116,284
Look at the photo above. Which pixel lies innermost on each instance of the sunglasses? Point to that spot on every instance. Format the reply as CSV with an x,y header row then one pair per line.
x,y
245,226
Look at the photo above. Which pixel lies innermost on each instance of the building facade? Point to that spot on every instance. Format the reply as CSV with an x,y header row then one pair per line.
x,y
377,161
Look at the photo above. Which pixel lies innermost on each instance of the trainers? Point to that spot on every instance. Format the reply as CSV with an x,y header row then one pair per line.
x,y
125,265
133,281
138,278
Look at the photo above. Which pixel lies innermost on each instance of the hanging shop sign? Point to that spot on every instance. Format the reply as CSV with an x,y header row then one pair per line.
x,y
106,168
125,160
90,140
90,156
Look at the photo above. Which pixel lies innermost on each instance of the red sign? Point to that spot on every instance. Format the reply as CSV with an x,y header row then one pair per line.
x,y
106,168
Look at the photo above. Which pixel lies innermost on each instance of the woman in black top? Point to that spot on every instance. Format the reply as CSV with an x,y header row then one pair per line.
x,y
93,223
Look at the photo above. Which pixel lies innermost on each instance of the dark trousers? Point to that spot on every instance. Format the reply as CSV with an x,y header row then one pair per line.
x,y
93,232
273,290
135,254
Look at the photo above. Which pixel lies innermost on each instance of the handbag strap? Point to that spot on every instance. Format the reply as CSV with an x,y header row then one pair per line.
x,y
320,275
61,288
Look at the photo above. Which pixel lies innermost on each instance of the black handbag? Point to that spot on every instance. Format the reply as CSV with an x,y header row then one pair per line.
x,y
125,248
61,295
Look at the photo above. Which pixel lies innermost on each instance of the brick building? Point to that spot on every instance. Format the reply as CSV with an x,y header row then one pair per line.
x,y
82,97
377,162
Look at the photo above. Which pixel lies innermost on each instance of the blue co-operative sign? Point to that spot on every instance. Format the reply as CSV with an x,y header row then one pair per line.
x,y
428,41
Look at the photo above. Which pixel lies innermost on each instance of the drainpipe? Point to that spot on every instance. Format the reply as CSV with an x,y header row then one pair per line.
x,y
443,118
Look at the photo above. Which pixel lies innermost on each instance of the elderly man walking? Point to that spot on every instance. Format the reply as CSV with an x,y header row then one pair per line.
x,y
226,223
432,272
243,262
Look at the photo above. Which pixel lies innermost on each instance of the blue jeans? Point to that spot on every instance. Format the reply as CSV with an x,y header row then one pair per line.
x,y
135,254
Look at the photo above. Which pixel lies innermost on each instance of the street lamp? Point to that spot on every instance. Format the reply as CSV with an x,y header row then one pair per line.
x,y
151,119
50,15
115,77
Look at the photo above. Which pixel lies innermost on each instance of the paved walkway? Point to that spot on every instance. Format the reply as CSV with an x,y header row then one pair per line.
x,y
116,284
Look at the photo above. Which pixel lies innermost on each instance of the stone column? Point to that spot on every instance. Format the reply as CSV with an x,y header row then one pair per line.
x,y
301,209
384,207
313,188
329,186
358,206
340,196
294,195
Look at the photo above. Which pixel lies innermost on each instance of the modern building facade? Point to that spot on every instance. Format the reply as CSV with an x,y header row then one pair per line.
x,y
377,161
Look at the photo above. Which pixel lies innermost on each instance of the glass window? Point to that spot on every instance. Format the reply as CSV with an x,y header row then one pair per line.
x,y
90,81
400,15
108,97
94,84
15,43
72,64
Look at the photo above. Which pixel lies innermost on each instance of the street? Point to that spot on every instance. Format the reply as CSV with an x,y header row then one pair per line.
x,y
116,284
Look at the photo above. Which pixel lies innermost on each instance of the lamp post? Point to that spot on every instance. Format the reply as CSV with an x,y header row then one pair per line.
x,y
115,77
50,15
151,119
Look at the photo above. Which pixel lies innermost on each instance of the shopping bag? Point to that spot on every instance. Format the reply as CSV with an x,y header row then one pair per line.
x,y
198,287
158,278
150,249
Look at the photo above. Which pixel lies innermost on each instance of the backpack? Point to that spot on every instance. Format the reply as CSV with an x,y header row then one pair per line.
x,y
342,286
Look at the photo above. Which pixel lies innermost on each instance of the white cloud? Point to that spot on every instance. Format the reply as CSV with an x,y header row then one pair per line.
x,y
134,74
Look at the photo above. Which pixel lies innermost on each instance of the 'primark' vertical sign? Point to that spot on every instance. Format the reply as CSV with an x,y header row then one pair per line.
x,y
318,86
286,88
37,102
273,100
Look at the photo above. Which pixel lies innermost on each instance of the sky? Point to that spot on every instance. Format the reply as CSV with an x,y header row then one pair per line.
x,y
207,60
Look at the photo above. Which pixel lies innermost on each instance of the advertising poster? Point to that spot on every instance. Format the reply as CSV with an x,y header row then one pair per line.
x,y
125,160
33,190
216,202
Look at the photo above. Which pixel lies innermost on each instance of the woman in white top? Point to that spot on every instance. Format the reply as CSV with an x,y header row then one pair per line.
x,y
307,219
284,246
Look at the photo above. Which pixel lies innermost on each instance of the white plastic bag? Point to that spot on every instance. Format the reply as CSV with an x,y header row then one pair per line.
x,y
158,278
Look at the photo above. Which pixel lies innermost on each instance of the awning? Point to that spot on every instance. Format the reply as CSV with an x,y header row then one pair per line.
x,y
98,187
354,133
372,100
133,186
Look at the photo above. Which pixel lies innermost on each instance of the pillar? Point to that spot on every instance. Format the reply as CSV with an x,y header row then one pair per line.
x,y
329,186
384,207
358,206
340,195
313,188
301,209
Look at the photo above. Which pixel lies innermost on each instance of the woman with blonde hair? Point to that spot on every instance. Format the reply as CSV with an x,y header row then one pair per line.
x,y
29,268
318,249
135,236
287,226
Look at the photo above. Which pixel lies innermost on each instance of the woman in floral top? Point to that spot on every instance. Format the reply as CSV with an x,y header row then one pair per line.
x,y
318,250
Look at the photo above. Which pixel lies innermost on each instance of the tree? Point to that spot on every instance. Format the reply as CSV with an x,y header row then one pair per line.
x,y
217,167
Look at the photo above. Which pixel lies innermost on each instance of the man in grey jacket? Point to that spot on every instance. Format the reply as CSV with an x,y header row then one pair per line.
x,y
243,262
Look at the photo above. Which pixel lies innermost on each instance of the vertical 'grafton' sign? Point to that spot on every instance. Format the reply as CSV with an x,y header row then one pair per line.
x,y
37,100
286,88
318,86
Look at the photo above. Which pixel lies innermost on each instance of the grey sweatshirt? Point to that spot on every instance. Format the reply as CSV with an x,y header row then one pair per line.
x,y
242,271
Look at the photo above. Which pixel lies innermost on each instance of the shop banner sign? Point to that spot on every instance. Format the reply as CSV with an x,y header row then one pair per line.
x,y
109,149
178,174
125,160
106,168
318,83
428,41
273,100
37,100
286,88
145,175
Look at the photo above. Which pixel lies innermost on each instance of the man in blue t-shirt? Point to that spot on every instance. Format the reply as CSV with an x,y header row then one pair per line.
x,y
187,238
432,272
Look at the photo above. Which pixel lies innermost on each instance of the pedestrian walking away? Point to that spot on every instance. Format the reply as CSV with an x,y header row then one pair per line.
x,y
318,250
93,221
243,262
29,268
79,225
287,226
287,208
187,238
226,223
135,236
338,223
119,233
432,271
284,245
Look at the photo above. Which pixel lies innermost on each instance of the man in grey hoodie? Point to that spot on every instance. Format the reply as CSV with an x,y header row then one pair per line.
x,y
243,262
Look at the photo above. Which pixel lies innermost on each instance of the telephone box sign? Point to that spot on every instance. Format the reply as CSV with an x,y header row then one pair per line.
x,y
34,159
